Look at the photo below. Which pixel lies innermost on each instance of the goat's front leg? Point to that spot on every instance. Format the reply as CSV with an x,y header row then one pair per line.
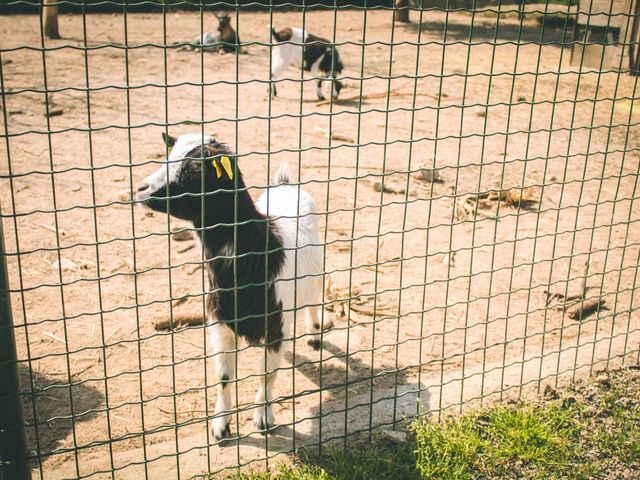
x,y
262,415
273,92
223,345
319,90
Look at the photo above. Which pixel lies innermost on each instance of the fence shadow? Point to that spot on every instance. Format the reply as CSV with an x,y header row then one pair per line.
x,y
355,399
53,408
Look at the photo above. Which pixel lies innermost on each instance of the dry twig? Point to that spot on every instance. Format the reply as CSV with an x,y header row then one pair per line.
x,y
521,198
341,306
571,294
474,205
179,321
583,309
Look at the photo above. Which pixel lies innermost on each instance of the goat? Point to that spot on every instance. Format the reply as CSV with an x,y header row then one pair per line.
x,y
263,259
225,41
316,55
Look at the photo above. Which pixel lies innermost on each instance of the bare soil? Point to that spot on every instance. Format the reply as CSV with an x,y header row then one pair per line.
x,y
460,295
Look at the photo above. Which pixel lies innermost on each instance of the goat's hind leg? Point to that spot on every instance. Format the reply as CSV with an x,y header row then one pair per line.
x,y
262,415
273,91
315,319
223,344
316,323
278,66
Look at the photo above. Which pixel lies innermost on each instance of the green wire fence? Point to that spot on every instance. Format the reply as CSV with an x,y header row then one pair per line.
x,y
476,184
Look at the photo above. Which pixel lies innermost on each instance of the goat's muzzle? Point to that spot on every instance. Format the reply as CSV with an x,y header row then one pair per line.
x,y
144,192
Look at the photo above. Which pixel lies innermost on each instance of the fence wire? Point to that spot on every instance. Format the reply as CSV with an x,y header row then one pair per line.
x,y
475,184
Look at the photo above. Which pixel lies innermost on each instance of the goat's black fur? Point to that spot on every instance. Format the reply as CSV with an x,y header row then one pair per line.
x,y
242,259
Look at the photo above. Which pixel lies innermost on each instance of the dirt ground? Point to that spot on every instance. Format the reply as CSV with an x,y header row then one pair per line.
x,y
460,297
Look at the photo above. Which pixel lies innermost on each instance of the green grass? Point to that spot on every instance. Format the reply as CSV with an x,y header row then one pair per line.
x,y
590,430
381,460
492,442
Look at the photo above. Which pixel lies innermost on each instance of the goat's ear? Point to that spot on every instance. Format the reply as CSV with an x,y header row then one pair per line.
x,y
169,141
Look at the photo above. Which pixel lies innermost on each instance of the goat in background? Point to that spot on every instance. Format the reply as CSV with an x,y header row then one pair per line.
x,y
296,47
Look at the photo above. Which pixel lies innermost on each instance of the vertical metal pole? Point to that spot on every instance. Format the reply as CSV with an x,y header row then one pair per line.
x,y
13,443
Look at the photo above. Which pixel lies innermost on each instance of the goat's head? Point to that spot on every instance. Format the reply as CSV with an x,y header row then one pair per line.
x,y
224,21
197,165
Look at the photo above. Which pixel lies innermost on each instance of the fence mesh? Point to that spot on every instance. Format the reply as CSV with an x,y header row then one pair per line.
x,y
475,184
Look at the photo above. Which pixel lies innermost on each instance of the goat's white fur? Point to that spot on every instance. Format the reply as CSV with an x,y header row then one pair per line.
x,y
288,53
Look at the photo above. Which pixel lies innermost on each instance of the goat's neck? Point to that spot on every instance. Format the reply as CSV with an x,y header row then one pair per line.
x,y
238,256
224,233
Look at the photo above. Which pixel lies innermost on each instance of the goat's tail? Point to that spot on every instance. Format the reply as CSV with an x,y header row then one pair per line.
x,y
283,175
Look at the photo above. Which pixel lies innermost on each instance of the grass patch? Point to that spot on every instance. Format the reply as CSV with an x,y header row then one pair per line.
x,y
493,442
382,459
590,430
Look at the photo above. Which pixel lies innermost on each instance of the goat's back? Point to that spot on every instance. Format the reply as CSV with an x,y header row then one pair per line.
x,y
291,209
294,214
289,52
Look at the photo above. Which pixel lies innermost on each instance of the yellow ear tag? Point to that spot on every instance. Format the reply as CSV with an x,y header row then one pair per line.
x,y
214,162
226,164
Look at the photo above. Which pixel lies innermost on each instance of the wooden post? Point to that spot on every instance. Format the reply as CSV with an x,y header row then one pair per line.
x,y
634,54
50,19
402,13
521,9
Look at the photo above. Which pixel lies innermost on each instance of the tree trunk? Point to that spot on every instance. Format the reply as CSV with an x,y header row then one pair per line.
x,y
50,19
402,13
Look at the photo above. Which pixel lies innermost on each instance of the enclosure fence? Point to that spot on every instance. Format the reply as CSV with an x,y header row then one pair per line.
x,y
475,190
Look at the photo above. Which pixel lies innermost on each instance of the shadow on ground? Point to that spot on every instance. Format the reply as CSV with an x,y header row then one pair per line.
x,y
488,29
53,409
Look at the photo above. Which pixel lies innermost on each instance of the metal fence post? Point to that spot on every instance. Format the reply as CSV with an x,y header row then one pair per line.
x,y
13,444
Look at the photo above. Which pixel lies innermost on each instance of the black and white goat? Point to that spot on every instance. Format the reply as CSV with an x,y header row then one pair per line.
x,y
278,260
225,41
297,47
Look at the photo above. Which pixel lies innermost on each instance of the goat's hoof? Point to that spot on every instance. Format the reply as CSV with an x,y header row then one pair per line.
x,y
321,98
263,420
315,343
220,429
266,430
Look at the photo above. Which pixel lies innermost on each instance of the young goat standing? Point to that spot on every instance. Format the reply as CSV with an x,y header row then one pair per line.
x,y
316,55
258,271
